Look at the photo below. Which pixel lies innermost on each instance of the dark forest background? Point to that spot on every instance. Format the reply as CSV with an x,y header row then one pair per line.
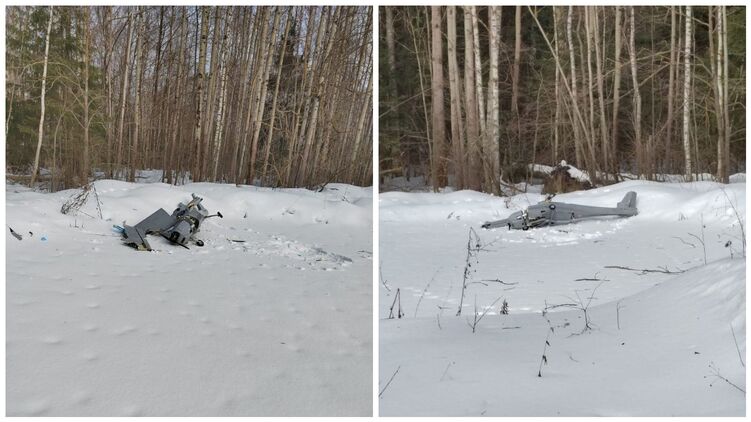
x,y
469,96
277,96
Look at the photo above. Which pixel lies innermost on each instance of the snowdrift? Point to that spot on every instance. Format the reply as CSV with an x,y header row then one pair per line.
x,y
664,289
272,317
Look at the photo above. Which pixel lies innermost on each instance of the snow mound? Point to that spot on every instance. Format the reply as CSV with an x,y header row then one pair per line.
x,y
643,353
665,286
572,171
655,201
272,317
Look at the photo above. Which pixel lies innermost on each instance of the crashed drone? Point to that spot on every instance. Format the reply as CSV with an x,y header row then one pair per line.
x,y
179,228
548,213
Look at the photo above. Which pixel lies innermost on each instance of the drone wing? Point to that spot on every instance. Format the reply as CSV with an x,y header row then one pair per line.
x,y
136,235
495,224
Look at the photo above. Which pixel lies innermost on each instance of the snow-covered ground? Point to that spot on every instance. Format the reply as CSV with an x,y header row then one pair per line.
x,y
273,316
660,343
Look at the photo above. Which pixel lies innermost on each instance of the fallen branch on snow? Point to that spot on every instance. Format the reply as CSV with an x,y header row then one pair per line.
x,y
663,270
389,383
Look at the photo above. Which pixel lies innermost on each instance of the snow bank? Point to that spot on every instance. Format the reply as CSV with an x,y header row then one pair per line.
x,y
572,171
655,201
659,337
653,354
272,317
338,204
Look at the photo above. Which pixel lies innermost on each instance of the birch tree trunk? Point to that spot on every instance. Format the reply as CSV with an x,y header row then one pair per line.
x,y
270,136
170,162
212,95
718,70
201,76
640,153
556,118
40,132
133,151
109,109
439,178
671,84
258,71
329,29
222,96
601,95
686,94
616,89
726,100
482,112
124,93
474,161
591,140
353,163
574,94
260,110
494,135
86,123
457,129
515,72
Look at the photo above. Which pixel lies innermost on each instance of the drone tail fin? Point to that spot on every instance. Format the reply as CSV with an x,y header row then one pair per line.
x,y
628,201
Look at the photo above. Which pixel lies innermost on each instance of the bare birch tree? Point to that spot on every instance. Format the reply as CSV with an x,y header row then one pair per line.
x,y
40,132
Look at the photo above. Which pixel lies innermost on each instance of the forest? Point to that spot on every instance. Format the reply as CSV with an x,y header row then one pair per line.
x,y
276,96
471,96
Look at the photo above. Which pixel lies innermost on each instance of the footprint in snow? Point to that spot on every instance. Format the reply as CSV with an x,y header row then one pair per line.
x,y
34,408
89,356
81,397
131,410
124,330
52,340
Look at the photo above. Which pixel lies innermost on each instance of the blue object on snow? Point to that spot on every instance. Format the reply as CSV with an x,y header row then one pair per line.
x,y
117,229
44,238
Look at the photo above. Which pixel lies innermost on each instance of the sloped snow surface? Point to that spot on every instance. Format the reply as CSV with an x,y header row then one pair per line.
x,y
666,341
271,317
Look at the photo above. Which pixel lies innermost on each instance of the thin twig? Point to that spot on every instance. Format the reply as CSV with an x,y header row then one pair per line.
x,y
716,373
740,222
662,270
701,239
389,383
501,282
618,314
446,370
481,316
380,275
427,286
544,357
683,241
595,278
740,356
399,312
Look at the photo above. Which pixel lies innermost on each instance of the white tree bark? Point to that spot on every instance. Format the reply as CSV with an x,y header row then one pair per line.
x,y
686,94
222,98
574,94
40,134
457,128
482,113
640,153
616,88
494,132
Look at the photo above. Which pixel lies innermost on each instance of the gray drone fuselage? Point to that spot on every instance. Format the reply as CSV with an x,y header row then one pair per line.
x,y
547,213
178,228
